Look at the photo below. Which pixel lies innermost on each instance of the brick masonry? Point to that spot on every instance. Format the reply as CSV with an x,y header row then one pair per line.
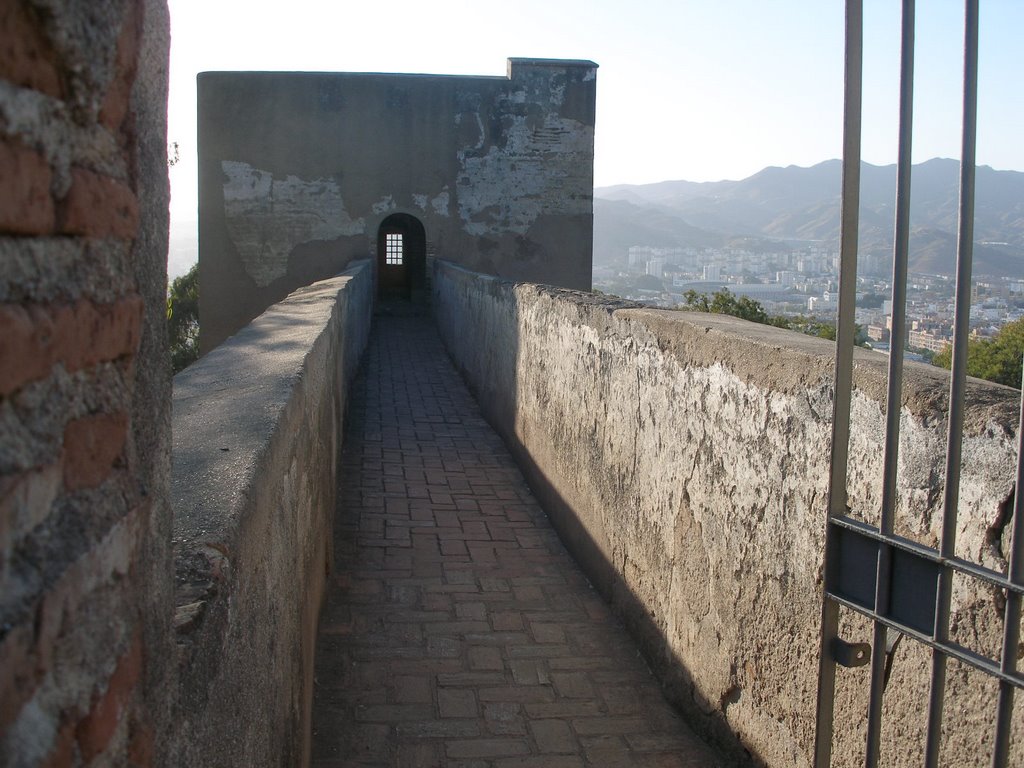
x,y
84,382
458,631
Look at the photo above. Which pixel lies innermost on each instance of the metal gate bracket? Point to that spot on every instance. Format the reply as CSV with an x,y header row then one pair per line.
x,y
850,654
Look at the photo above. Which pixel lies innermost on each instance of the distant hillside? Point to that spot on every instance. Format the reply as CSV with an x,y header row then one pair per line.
x,y
619,224
803,204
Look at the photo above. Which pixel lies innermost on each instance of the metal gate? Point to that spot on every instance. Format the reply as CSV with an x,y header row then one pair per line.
x,y
902,586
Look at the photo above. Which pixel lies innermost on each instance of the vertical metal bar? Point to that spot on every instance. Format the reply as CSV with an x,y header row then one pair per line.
x,y
951,493
845,332
1011,617
894,395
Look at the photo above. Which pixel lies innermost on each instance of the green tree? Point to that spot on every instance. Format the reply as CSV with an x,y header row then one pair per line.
x,y
997,359
724,302
812,327
751,310
696,301
826,331
183,319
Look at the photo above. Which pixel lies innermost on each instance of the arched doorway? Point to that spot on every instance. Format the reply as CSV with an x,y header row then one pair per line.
x,y
401,257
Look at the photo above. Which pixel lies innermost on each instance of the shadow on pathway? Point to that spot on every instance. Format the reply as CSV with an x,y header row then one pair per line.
x,y
457,630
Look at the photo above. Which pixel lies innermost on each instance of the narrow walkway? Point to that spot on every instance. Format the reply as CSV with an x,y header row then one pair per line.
x,y
458,631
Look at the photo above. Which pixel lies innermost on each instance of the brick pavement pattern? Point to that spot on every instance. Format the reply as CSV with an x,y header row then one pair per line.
x,y
458,631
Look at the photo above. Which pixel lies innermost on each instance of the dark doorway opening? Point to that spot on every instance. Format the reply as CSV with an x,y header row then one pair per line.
x,y
401,258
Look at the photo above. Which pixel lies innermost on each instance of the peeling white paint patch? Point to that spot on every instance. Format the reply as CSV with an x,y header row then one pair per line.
x,y
591,75
441,203
420,201
558,95
509,187
481,133
267,217
384,205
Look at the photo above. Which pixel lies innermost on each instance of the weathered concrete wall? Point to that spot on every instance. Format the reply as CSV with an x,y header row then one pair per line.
x,y
85,569
257,429
684,457
298,170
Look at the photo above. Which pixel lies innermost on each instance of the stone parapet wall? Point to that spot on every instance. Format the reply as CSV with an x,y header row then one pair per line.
x,y
683,458
257,431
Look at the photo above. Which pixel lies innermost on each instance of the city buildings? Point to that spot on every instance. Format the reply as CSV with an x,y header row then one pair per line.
x,y
803,280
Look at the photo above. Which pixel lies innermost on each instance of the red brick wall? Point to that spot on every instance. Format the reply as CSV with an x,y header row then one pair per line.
x,y
83,382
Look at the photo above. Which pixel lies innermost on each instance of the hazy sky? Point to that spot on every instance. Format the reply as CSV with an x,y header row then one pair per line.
x,y
687,89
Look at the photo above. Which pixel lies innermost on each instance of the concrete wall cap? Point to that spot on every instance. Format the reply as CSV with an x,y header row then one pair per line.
x,y
556,63
227,407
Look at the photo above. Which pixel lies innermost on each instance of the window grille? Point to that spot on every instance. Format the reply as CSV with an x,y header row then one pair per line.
x,y
393,255
902,586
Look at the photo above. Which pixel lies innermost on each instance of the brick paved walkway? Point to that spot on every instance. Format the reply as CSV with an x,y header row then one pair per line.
x,y
458,631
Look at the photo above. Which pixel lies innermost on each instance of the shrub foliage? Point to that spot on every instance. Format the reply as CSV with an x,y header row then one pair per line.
x,y
997,359
724,302
183,319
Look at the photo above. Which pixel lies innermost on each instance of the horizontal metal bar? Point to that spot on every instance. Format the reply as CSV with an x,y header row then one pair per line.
x,y
954,650
958,564
970,568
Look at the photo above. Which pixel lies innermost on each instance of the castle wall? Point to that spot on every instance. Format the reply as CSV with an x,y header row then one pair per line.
x,y
257,436
683,458
298,170
85,577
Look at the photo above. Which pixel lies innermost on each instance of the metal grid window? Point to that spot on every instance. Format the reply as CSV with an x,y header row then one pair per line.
x,y
393,255
904,587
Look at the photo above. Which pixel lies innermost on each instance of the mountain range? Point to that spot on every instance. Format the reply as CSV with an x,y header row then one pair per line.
x,y
779,207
